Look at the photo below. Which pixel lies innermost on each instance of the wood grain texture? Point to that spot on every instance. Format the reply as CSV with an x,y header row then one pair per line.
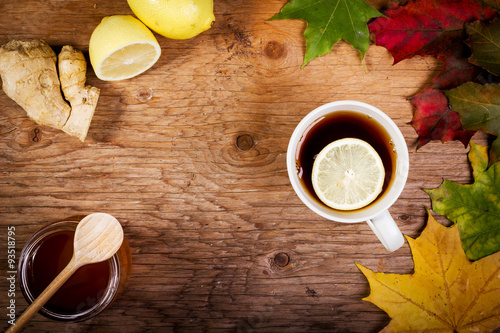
x,y
206,213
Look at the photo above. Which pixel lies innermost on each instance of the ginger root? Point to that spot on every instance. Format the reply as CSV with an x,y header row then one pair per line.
x,y
83,98
29,77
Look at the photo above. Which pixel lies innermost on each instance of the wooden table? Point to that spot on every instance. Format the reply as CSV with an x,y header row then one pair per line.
x,y
190,157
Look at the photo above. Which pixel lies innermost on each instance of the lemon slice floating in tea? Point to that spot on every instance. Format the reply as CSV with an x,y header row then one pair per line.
x,y
348,174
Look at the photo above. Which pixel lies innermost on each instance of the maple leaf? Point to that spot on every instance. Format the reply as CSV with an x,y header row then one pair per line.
x,y
424,27
484,40
328,21
446,292
433,119
479,109
475,208
492,3
435,28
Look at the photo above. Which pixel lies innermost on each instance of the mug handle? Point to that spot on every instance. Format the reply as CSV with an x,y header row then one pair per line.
x,y
387,231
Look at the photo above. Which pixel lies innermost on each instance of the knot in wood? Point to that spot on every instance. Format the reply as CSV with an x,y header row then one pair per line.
x,y
144,94
281,259
35,135
244,142
403,217
274,50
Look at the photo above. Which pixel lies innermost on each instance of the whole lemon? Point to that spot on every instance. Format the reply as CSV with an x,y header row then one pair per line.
x,y
176,19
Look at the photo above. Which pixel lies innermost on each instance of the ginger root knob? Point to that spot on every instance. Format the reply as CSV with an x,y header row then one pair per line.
x,y
29,77
83,98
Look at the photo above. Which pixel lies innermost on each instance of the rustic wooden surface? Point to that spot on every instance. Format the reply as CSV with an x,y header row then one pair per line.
x,y
190,157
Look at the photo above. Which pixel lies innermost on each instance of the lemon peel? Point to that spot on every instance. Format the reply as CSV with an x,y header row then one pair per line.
x,y
175,19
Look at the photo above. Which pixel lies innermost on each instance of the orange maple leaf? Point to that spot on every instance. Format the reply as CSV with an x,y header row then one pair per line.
x,y
446,292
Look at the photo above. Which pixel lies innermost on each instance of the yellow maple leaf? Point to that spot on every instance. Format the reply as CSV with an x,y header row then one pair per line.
x,y
446,292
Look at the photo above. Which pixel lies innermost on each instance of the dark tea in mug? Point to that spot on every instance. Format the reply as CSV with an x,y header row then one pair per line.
x,y
339,125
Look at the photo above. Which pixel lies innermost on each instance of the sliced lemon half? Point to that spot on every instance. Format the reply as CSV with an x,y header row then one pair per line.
x,y
122,47
348,174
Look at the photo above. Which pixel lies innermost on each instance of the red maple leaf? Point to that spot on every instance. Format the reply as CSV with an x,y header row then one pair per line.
x,y
433,28
432,118
426,27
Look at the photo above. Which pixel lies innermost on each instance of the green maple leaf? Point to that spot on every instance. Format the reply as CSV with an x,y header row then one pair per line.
x,y
475,208
484,40
328,21
479,109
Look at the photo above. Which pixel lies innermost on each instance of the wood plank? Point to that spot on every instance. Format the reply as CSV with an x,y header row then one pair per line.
x,y
206,219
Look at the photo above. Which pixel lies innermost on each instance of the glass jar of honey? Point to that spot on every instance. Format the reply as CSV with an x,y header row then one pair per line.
x,y
88,292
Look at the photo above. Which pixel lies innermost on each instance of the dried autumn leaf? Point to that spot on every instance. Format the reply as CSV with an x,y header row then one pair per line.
x,y
484,40
492,3
433,119
423,27
435,28
328,21
475,208
446,292
479,109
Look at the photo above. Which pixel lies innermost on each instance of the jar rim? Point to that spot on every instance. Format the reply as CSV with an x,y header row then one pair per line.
x,y
29,250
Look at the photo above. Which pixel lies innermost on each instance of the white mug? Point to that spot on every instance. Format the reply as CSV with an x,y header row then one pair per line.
x,y
377,214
